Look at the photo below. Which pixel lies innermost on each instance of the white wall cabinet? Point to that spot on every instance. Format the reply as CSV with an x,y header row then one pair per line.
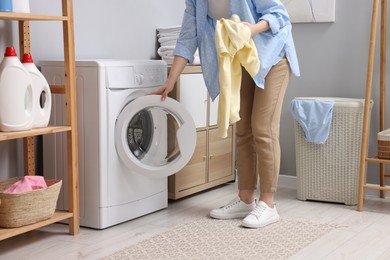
x,y
213,162
193,95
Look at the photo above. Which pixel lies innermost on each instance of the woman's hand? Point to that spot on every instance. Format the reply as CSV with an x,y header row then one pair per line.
x,y
178,66
163,90
257,28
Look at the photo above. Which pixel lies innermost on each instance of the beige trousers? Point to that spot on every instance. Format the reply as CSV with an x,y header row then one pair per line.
x,y
258,148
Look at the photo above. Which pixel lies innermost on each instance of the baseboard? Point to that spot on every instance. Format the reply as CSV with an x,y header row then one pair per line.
x,y
287,181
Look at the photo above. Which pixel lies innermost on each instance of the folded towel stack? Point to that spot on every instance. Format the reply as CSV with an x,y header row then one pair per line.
x,y
167,37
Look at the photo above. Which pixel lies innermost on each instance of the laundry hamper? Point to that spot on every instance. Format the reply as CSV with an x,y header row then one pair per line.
x,y
330,171
20,209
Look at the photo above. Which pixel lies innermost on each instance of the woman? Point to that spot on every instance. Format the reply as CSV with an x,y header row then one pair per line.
x,y
261,96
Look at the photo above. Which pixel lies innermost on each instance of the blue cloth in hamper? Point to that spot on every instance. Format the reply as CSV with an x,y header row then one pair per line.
x,y
315,118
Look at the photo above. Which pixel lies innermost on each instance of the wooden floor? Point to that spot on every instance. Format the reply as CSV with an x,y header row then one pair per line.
x,y
362,235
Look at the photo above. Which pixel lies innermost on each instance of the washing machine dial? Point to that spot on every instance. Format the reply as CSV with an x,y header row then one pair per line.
x,y
139,78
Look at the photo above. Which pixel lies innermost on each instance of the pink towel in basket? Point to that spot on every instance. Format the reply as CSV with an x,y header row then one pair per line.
x,y
27,183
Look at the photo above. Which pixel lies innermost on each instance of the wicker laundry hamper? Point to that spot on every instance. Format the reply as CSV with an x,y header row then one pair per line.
x,y
330,171
20,209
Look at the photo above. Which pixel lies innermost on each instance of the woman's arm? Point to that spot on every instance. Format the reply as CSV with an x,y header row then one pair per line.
x,y
273,12
186,46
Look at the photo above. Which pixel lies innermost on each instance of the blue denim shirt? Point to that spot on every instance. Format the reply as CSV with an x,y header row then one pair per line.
x,y
198,32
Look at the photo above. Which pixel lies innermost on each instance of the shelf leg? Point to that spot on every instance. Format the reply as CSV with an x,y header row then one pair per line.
x,y
366,121
71,116
29,156
382,91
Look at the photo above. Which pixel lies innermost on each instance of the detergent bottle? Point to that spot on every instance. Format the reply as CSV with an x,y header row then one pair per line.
x,y
16,94
41,104
5,5
20,6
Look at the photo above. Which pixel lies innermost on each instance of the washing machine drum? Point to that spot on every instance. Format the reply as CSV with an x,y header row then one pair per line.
x,y
153,137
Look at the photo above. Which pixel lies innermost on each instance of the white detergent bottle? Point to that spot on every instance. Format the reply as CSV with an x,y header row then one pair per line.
x,y
16,94
20,6
41,105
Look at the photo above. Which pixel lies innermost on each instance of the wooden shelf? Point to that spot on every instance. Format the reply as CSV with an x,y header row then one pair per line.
x,y
10,232
33,132
377,160
378,6
30,17
377,187
69,90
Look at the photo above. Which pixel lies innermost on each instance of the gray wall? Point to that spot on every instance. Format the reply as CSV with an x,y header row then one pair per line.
x,y
333,56
333,60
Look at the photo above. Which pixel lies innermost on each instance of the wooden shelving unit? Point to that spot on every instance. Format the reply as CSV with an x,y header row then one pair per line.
x,y
364,159
69,90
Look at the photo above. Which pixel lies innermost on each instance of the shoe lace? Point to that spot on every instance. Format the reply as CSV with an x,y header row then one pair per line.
x,y
258,210
231,204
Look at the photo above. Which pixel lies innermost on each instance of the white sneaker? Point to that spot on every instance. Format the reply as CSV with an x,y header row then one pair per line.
x,y
234,209
261,216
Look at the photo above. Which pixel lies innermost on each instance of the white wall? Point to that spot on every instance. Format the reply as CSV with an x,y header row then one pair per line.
x,y
107,29
333,56
8,166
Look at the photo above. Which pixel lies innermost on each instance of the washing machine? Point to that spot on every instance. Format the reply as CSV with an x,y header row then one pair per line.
x,y
129,142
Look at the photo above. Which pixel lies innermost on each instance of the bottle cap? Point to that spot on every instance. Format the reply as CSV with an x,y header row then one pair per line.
x,y
27,58
10,51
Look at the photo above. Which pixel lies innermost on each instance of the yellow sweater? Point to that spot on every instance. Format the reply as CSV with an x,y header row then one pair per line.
x,y
235,48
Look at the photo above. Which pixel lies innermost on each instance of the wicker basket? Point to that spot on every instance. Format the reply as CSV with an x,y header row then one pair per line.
x,y
384,144
330,171
20,209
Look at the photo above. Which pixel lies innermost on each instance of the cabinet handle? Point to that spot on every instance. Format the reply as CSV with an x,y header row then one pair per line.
x,y
211,156
204,158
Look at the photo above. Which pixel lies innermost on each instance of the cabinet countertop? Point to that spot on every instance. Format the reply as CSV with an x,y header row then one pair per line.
x,y
189,69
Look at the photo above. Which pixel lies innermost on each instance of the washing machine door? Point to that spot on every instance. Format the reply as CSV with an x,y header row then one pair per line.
x,y
153,137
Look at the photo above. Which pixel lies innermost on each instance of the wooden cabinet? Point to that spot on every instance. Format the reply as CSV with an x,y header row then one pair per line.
x,y
69,90
213,162
220,155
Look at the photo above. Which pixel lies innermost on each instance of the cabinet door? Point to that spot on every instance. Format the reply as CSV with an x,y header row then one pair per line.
x,y
193,95
194,173
220,155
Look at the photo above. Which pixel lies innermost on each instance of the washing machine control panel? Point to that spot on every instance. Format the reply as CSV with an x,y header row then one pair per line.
x,y
152,75
135,74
